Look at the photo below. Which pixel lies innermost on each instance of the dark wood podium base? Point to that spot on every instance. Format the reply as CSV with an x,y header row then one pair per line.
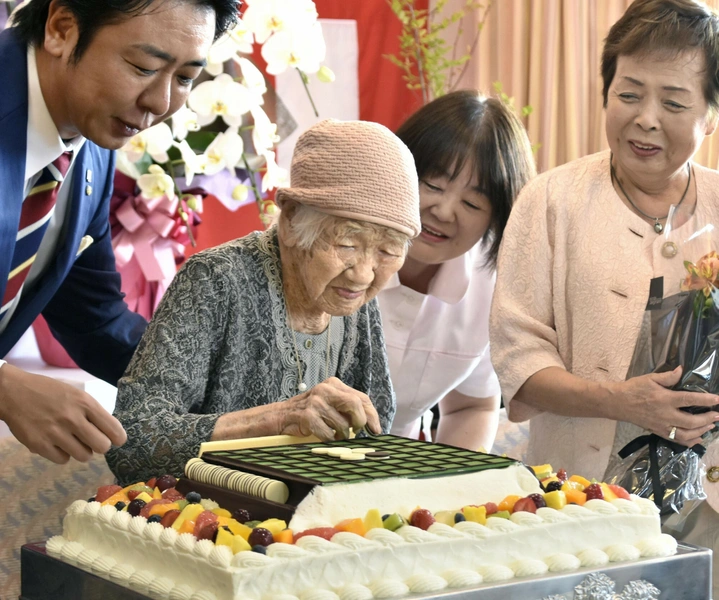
x,y
46,578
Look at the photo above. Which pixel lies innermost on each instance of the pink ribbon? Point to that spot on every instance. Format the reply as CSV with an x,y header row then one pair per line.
x,y
153,233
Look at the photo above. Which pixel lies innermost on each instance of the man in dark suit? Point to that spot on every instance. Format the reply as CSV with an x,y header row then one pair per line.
x,y
79,79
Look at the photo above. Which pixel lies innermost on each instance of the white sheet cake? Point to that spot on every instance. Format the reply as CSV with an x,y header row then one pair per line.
x,y
377,562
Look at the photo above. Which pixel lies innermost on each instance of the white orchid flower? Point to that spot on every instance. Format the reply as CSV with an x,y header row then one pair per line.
x,y
194,202
297,48
252,79
126,167
275,176
184,121
267,17
255,162
325,74
222,96
225,152
155,140
239,39
264,131
156,183
193,162
135,148
222,50
240,192
242,37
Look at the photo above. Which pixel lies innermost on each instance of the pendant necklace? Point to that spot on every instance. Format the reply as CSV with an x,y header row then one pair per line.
x,y
658,227
302,386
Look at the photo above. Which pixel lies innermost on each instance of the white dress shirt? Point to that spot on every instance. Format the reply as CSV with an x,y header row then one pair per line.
x,y
439,342
44,145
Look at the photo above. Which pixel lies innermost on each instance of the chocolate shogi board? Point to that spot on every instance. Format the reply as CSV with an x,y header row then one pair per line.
x,y
301,468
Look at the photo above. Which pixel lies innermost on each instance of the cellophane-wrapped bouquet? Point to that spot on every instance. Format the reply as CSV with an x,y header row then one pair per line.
x,y
679,330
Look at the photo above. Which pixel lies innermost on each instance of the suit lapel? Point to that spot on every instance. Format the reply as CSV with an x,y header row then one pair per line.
x,y
13,145
79,215
81,209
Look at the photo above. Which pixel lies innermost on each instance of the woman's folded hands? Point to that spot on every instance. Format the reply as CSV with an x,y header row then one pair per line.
x,y
648,402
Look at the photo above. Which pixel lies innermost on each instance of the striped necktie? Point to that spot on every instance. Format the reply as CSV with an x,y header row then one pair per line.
x,y
37,210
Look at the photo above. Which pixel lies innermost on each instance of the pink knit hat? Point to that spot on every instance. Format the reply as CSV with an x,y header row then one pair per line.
x,y
356,170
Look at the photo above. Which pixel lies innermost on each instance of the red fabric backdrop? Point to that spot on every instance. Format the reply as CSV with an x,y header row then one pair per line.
x,y
384,98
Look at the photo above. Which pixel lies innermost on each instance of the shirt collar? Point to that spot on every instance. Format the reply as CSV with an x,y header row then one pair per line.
x,y
44,143
452,280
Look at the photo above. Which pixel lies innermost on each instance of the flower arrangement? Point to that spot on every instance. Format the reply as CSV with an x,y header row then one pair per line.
x,y
222,141
193,145
704,276
678,330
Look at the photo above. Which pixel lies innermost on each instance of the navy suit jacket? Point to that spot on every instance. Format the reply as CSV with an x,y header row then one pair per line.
x,y
79,296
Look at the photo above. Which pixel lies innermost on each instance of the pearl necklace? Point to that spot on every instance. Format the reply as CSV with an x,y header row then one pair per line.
x,y
658,227
302,386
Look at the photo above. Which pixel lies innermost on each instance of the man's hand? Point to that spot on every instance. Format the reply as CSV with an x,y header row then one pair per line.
x,y
54,419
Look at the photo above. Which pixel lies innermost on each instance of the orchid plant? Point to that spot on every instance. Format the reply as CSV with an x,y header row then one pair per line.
x,y
190,145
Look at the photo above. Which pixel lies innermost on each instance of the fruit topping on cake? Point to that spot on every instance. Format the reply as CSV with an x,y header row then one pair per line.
x,y
136,506
524,505
556,499
421,518
619,492
158,501
542,471
553,486
260,536
326,533
106,491
193,498
241,515
594,492
393,521
165,482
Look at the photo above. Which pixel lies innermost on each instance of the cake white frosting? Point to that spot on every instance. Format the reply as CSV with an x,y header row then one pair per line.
x,y
326,505
350,567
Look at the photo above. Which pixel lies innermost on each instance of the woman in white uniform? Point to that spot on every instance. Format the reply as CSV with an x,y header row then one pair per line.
x,y
473,157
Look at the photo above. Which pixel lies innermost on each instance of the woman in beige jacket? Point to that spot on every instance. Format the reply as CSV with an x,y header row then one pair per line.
x,y
585,239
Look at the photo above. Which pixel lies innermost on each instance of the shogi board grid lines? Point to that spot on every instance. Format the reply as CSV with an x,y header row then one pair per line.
x,y
408,458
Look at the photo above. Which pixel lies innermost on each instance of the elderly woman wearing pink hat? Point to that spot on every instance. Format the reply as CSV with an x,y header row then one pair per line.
x,y
279,332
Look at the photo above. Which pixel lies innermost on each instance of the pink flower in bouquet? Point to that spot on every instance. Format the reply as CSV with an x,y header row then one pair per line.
x,y
704,275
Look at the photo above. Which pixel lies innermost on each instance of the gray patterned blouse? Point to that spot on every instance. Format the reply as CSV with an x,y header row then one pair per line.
x,y
219,343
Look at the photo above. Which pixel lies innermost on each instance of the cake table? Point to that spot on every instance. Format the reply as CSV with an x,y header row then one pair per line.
x,y
684,576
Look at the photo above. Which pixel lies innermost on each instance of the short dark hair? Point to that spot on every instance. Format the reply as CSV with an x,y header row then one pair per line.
x,y
30,18
665,26
462,126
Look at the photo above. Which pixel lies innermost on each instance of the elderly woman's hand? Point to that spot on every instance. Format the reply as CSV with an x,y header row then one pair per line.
x,y
327,411
646,401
